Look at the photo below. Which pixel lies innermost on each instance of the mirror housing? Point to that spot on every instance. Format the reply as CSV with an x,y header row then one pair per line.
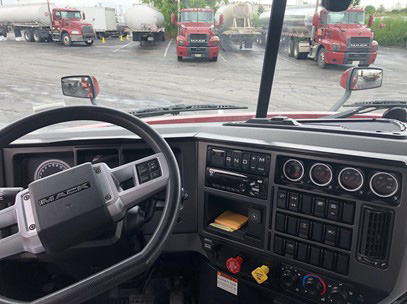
x,y
172,18
315,20
370,22
355,79
221,19
335,5
80,87
83,16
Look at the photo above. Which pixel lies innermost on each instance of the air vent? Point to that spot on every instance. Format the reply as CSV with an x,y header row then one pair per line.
x,y
375,240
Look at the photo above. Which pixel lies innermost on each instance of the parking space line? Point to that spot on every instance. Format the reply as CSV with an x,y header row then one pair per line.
x,y
168,46
222,57
122,47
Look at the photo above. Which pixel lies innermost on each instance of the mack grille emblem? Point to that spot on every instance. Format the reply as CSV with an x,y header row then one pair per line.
x,y
359,45
64,193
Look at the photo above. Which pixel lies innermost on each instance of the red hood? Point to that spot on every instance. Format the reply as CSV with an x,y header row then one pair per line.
x,y
229,117
351,30
196,28
78,23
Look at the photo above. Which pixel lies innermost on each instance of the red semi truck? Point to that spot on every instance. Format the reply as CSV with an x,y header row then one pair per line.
x,y
196,34
42,22
329,37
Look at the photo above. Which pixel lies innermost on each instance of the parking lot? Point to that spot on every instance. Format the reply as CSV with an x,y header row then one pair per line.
x,y
133,77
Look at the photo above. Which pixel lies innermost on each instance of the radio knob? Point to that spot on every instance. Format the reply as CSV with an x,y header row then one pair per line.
x,y
338,296
314,285
289,278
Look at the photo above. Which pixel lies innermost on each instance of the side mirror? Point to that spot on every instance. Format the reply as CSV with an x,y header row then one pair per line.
x,y
315,20
81,87
355,79
173,19
84,16
221,19
370,22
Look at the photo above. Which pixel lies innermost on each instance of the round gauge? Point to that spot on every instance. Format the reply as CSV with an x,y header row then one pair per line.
x,y
350,179
321,174
384,184
293,170
50,167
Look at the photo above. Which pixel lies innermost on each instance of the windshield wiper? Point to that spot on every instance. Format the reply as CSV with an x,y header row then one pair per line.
x,y
364,107
177,109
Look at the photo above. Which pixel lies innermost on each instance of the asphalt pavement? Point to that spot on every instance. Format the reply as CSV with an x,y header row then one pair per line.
x,y
134,77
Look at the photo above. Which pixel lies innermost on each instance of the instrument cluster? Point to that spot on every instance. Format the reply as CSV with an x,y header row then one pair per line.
x,y
349,180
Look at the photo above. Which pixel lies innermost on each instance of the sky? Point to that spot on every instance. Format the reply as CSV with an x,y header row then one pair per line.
x,y
389,4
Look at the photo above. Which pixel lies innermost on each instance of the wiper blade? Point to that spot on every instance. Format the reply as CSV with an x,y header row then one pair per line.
x,y
177,109
364,107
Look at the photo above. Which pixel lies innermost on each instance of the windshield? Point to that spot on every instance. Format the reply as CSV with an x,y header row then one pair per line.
x,y
346,18
67,15
197,17
173,63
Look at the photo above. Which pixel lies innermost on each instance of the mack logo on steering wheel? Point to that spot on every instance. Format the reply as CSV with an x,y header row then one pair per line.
x,y
64,193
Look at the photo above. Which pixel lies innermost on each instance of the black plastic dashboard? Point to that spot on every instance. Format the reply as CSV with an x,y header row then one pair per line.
x,y
327,212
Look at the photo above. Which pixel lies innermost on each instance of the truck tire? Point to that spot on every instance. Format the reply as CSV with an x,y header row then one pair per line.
x,y
28,35
248,44
322,58
37,36
213,59
290,48
66,39
89,43
179,58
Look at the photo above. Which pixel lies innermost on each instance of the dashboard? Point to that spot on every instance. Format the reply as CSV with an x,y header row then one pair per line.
x,y
326,213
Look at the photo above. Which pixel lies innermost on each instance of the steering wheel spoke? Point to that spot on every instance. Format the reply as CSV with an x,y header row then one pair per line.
x,y
20,214
132,183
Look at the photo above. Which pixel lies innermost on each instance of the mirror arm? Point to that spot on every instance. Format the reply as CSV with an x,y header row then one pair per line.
x,y
341,101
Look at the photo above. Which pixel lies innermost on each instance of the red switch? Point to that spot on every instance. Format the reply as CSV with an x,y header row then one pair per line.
x,y
233,264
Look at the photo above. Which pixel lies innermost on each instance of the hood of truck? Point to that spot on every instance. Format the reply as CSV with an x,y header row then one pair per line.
x,y
350,30
197,28
78,24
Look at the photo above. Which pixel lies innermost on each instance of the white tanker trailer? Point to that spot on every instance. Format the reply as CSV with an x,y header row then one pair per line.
x,y
237,24
41,22
146,23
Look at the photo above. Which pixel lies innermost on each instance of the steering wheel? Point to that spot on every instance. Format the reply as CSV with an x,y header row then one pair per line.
x,y
78,204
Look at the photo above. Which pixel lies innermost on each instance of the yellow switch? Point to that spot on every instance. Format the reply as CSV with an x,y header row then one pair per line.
x,y
260,274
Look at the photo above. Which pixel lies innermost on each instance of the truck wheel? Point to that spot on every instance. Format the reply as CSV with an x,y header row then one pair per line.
x,y
179,58
248,44
28,35
66,39
290,48
322,58
213,59
89,42
37,36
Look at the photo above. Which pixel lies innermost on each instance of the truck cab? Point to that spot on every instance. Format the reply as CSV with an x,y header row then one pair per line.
x,y
69,26
345,37
196,34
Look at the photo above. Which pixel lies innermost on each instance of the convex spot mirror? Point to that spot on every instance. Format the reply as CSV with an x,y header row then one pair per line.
x,y
80,87
336,5
354,79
